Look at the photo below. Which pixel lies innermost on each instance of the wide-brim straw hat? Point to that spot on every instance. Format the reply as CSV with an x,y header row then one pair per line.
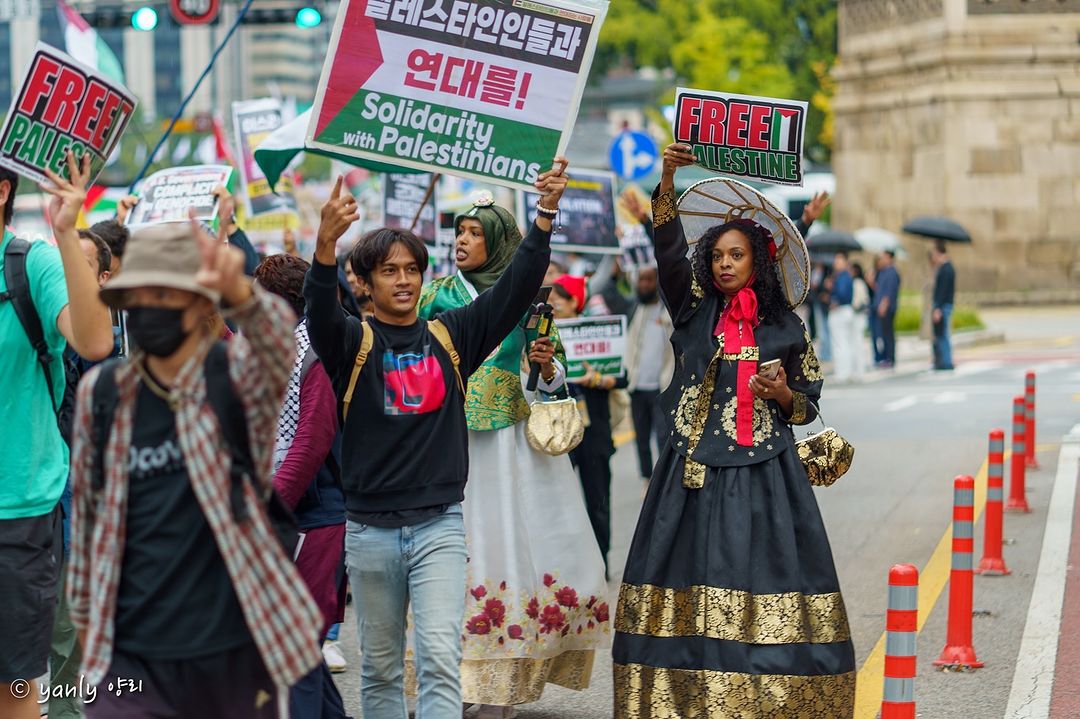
x,y
717,200
161,255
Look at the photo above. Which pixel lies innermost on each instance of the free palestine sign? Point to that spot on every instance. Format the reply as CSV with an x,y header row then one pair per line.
x,y
757,138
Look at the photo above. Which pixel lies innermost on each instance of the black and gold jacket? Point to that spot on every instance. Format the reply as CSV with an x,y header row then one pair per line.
x,y
700,402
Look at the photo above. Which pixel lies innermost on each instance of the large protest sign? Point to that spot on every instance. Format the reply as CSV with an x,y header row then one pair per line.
x,y
487,89
759,138
405,199
586,221
167,195
600,341
62,105
253,122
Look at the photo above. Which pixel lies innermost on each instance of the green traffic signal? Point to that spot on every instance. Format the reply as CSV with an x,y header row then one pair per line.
x,y
145,18
308,17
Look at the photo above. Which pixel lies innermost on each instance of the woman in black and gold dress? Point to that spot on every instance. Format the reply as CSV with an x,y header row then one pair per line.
x,y
730,606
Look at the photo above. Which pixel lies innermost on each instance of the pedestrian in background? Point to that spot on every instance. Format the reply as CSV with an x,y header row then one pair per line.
x,y
843,323
649,364
62,290
593,456
178,579
886,301
943,298
307,476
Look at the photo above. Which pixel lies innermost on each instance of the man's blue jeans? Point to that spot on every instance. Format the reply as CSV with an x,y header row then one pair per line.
x,y
389,569
943,341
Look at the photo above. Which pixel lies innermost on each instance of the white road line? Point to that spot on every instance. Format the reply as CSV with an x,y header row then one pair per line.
x,y
903,403
950,398
1033,680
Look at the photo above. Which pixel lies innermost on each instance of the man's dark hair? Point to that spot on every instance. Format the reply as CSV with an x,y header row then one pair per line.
x,y
372,249
116,236
891,254
284,276
104,254
9,207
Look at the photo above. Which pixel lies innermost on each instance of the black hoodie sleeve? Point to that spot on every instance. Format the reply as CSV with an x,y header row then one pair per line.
x,y
334,335
479,327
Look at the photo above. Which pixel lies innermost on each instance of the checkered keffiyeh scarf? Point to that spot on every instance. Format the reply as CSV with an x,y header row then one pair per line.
x,y
290,408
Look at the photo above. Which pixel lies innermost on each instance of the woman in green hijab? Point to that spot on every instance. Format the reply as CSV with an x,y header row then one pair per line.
x,y
536,608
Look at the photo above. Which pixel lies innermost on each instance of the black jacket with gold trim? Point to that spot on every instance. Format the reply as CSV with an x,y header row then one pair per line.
x,y
700,403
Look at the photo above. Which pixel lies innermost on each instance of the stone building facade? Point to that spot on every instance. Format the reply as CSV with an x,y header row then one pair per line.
x,y
969,109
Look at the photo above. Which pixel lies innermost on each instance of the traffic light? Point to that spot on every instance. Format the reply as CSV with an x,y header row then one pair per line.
x,y
304,16
145,18
307,17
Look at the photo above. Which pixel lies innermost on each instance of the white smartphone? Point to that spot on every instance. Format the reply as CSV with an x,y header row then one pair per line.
x,y
769,370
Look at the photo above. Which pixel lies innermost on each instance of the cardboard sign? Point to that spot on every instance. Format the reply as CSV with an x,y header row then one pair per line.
x,y
403,199
759,138
586,221
253,122
167,195
487,89
600,341
62,105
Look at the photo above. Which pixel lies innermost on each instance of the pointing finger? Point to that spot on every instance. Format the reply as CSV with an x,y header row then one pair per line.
x,y
337,188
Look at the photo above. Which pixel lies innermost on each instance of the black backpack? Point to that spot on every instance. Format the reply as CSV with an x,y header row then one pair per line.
x,y
230,413
18,293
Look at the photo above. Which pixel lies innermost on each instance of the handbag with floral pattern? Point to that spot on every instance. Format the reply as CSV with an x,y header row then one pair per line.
x,y
827,456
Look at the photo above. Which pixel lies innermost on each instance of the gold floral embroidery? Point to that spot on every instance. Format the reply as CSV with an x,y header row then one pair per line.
x,y
493,394
663,208
750,354
798,408
763,423
644,692
695,289
694,472
684,413
811,368
505,682
701,611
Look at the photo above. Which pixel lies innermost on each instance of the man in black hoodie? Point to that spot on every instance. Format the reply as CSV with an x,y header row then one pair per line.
x,y
405,448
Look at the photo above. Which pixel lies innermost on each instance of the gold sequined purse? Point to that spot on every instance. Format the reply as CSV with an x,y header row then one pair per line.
x,y
554,426
826,455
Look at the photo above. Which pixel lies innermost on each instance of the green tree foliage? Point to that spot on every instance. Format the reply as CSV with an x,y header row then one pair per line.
x,y
779,48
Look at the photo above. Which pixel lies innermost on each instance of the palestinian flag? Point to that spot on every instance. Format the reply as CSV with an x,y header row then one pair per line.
x,y
84,44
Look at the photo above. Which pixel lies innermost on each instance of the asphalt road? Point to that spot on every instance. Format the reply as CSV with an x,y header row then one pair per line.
x,y
914,432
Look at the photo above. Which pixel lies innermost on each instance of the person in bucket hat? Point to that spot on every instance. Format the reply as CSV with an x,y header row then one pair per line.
x,y
177,579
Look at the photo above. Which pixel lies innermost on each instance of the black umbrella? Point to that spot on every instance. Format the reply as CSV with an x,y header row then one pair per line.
x,y
937,228
832,241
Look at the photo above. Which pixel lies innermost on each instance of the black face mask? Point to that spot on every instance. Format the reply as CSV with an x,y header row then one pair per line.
x,y
158,331
647,298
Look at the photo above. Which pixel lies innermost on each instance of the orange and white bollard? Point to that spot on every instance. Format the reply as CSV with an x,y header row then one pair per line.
x,y
901,625
1030,460
992,562
1017,492
958,651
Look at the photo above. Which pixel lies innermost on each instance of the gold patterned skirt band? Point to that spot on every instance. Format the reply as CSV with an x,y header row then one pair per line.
x,y
729,614
646,692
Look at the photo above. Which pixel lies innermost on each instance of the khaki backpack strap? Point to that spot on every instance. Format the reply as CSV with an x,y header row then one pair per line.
x,y
367,340
442,334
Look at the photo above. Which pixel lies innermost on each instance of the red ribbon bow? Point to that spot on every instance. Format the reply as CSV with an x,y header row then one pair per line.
x,y
737,323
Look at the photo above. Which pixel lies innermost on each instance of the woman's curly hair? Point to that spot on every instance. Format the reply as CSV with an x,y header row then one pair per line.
x,y
772,302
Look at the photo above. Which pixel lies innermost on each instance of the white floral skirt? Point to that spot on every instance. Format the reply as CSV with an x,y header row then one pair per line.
x,y
537,604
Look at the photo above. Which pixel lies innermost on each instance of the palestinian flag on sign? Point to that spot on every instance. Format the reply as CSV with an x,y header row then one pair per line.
x,y
84,44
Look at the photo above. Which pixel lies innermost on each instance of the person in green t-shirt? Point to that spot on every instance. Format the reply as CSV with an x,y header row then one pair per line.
x,y
33,456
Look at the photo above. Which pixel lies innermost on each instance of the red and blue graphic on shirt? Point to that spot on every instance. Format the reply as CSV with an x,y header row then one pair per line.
x,y
413,381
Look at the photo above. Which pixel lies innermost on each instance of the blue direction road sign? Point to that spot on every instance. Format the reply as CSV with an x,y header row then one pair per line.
x,y
632,155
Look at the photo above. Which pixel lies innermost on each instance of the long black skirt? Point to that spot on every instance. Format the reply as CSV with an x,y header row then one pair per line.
x,y
730,605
